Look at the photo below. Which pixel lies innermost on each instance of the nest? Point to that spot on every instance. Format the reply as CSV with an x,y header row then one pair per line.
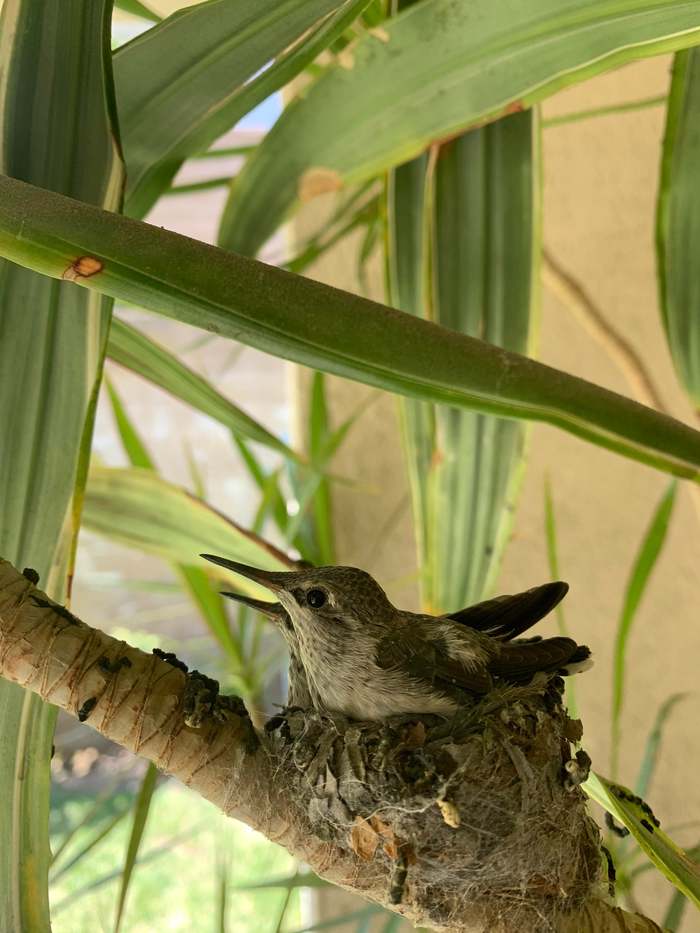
x,y
473,822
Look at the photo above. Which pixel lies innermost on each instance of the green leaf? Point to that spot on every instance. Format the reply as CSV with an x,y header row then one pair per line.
x,y
453,64
674,912
223,871
136,8
134,350
577,116
142,806
296,880
645,562
188,80
196,187
323,445
340,919
88,846
56,131
102,805
678,222
323,327
149,856
672,861
195,580
485,275
210,604
132,443
653,743
476,247
143,511
550,525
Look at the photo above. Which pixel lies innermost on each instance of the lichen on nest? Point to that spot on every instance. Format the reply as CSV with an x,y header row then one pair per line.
x,y
470,820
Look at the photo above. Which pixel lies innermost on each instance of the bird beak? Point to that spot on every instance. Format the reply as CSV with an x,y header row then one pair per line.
x,y
274,611
273,580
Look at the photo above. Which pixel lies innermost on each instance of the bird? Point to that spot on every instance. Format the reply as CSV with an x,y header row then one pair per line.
x,y
298,694
367,660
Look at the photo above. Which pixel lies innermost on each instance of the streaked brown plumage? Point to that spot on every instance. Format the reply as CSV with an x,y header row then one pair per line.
x,y
367,659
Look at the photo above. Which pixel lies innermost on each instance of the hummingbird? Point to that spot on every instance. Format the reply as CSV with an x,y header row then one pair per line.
x,y
366,659
298,691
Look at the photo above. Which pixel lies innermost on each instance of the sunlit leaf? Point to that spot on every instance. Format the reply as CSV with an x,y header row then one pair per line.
x,y
136,8
453,64
188,80
144,511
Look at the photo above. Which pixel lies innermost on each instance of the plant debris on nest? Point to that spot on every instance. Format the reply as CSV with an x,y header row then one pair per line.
x,y
470,819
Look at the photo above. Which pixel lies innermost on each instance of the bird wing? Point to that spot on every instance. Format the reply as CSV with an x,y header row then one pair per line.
x,y
506,617
429,661
517,662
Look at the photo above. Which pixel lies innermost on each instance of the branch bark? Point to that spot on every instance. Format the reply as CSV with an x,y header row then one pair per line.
x,y
460,826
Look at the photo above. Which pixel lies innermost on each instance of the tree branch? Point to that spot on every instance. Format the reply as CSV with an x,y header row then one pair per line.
x,y
463,825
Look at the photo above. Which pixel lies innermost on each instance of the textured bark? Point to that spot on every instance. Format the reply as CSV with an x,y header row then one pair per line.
x,y
463,825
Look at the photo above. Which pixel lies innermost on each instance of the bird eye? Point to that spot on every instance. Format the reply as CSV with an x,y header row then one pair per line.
x,y
316,598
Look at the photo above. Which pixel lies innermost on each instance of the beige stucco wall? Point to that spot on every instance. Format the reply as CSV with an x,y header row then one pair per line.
x,y
600,179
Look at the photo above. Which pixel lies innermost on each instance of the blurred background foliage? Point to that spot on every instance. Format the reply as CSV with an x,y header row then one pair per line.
x,y
196,446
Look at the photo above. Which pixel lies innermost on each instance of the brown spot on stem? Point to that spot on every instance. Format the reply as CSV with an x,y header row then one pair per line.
x,y
515,106
82,268
317,181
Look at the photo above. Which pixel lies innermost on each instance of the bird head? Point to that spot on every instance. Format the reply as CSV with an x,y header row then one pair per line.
x,y
315,599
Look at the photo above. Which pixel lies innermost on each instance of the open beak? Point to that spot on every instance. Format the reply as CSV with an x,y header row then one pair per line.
x,y
274,580
274,611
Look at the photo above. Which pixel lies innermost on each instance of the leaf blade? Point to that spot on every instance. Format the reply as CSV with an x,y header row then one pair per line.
x,y
646,558
55,61
672,861
189,79
678,222
324,327
457,64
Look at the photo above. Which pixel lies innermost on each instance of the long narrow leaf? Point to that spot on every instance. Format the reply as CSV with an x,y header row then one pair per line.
x,y
653,743
136,8
550,524
672,861
321,326
453,64
132,443
133,349
197,583
89,845
644,564
482,223
56,131
678,222
674,912
105,879
143,511
142,806
187,80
